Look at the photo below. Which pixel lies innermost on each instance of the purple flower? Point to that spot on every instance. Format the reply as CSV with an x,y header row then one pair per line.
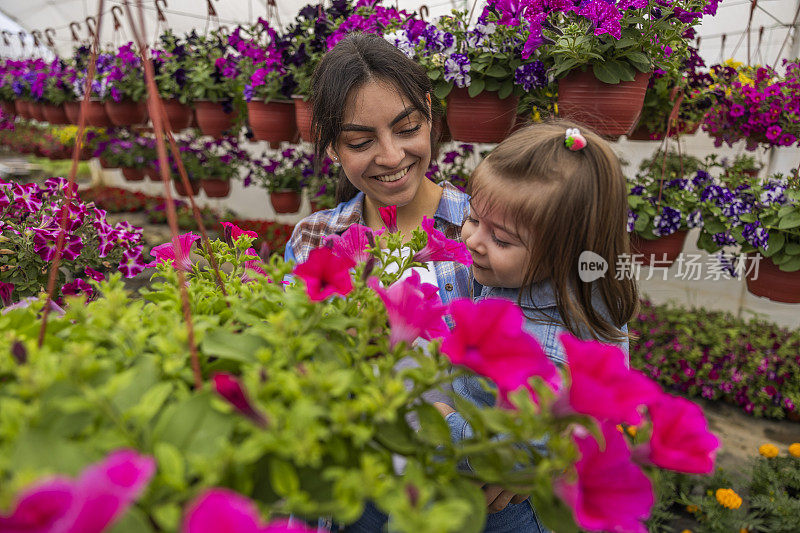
x,y
756,235
531,76
667,222
131,263
26,195
723,238
774,133
631,220
76,287
737,110
456,69
605,16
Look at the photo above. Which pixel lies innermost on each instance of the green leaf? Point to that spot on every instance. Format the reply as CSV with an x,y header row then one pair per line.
x,y
497,71
792,248
133,521
151,402
434,429
476,87
434,74
625,42
606,73
170,465
236,346
564,67
505,90
791,221
553,513
774,243
194,426
792,265
283,477
396,436
441,90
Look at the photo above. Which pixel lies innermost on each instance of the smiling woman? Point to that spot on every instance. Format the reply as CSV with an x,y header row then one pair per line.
x,y
373,115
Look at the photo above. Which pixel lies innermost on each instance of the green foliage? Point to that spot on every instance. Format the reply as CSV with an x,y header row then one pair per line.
x,y
116,373
753,364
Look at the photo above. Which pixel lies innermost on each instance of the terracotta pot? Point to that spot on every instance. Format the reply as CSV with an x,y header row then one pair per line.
x,y
212,119
661,252
485,118
133,174
126,113
179,115
302,116
216,188
772,282
105,164
272,121
285,201
21,107
153,174
55,114
192,183
9,108
96,115
73,111
607,109
37,111
520,121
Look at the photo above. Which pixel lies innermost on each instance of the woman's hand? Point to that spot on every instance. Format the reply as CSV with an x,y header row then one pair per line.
x,y
498,499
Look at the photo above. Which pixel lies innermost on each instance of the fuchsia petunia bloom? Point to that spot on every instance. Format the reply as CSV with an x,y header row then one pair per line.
x,y
26,196
602,385
131,264
6,290
229,388
440,248
610,493
252,265
414,309
76,287
681,440
389,217
220,510
325,273
353,244
88,505
234,232
165,252
94,274
488,338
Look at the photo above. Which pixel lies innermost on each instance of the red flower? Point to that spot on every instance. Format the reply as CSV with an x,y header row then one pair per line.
x,y
389,217
610,493
232,232
325,273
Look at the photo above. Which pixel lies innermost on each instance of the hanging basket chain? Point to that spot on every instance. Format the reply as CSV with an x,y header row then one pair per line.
x,y
673,117
73,171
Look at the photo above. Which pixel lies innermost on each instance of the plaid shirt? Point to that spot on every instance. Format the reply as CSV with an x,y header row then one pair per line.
x,y
453,278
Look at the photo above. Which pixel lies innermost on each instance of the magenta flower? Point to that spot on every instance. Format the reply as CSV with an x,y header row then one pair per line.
x,y
488,338
353,244
232,232
325,273
440,248
414,309
681,440
610,493
253,265
131,264
389,217
602,386
26,196
166,252
76,287
88,505
229,388
94,274
224,511
6,290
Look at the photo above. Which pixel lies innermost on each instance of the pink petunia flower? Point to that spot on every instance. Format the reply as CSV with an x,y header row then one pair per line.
x,y
220,510
414,309
232,232
353,244
76,287
602,386
165,252
90,504
252,265
440,248
389,217
681,440
94,274
488,338
610,493
26,196
229,388
325,273
131,264
6,290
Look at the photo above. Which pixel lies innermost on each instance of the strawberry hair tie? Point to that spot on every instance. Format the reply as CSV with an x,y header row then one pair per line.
x,y
574,140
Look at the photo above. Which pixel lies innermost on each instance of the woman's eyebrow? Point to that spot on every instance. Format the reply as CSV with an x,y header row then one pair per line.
x,y
358,127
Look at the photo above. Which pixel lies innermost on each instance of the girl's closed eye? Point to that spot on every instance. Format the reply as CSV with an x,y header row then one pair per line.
x,y
498,242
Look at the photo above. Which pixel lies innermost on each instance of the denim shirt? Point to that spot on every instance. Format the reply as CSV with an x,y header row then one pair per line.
x,y
542,321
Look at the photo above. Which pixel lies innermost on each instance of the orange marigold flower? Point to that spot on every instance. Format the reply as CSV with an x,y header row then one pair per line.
x,y
794,449
728,498
768,450
692,508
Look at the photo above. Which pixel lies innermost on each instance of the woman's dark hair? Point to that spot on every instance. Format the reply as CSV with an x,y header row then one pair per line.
x,y
354,61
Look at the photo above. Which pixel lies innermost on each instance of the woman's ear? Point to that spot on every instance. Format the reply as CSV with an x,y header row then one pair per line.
x,y
332,154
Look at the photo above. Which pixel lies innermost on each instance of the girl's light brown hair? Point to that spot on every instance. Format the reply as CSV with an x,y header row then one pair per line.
x,y
563,203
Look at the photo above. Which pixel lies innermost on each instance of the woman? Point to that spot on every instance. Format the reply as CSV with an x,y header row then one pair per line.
x,y
372,114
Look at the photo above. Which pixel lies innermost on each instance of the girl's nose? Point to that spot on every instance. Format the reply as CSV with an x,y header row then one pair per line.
x,y
474,243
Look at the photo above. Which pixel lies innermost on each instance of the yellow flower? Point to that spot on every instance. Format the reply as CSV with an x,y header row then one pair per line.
x,y
686,531
794,449
728,498
768,450
732,63
692,508
619,428
744,530
631,431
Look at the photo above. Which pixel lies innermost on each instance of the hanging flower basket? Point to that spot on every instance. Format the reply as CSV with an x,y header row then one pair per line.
x,y
302,116
133,174
96,115
37,111
772,282
664,250
180,190
272,121
126,113
55,114
20,108
73,112
485,118
212,118
285,201
179,115
609,109
105,164
216,188
153,174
